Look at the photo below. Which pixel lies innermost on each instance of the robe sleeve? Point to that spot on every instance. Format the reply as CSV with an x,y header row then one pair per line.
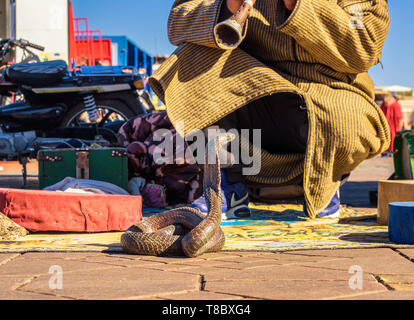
x,y
346,35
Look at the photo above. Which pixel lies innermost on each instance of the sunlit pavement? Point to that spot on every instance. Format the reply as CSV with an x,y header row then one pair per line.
x,y
381,273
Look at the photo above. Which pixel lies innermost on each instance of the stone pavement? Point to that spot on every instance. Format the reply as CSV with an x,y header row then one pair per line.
x,y
323,274
381,273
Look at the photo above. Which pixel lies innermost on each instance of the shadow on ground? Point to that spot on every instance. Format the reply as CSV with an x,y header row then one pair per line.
x,y
356,194
367,237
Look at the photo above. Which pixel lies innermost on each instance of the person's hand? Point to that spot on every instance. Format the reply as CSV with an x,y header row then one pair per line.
x,y
290,4
234,5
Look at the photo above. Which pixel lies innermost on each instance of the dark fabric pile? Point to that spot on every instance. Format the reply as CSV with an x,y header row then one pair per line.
x,y
182,180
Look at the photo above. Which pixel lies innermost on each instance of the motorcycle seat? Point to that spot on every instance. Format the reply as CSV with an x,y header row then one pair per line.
x,y
38,74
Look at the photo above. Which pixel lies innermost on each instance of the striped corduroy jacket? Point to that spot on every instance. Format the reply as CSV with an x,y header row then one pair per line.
x,y
321,51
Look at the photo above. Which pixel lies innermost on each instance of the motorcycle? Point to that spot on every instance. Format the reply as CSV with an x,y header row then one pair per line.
x,y
8,56
89,103
8,50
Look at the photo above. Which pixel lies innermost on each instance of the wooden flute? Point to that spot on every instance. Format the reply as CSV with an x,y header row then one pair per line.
x,y
230,32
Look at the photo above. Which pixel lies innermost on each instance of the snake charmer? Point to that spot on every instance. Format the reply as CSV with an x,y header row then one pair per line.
x,y
298,73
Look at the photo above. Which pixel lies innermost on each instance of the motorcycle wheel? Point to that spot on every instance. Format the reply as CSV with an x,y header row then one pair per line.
x,y
108,111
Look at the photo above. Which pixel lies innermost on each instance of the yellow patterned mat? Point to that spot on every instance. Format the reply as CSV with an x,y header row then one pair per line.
x,y
271,228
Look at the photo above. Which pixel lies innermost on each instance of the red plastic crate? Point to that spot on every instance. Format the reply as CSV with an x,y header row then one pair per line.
x,y
86,46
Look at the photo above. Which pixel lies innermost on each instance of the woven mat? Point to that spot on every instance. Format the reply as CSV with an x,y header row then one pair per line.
x,y
271,228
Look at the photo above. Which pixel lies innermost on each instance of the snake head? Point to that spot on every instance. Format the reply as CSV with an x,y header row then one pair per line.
x,y
220,140
217,142
225,138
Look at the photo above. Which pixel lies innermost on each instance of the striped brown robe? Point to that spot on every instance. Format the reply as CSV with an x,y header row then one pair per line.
x,y
320,51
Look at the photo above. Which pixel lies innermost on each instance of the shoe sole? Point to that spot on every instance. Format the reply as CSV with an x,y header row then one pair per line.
x,y
331,216
233,214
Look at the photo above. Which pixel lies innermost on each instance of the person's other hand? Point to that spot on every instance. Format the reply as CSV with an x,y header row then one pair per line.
x,y
234,5
290,4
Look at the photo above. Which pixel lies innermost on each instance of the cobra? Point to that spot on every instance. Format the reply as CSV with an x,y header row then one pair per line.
x,y
184,231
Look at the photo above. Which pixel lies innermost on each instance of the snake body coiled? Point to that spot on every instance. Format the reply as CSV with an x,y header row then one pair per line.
x,y
184,231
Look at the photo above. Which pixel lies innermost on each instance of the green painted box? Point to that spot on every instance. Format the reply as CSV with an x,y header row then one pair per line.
x,y
404,155
105,164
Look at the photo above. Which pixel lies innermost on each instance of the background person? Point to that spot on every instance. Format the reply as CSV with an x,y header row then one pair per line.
x,y
392,111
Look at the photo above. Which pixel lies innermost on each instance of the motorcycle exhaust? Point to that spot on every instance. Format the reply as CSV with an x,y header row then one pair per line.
x,y
22,110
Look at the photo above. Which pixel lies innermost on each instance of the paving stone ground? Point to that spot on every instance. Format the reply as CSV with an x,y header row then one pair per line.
x,y
350,274
321,274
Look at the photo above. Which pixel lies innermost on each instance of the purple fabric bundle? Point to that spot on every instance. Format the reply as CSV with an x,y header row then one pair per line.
x,y
181,180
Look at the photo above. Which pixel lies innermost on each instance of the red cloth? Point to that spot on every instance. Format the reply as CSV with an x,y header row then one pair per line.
x,y
392,111
38,210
